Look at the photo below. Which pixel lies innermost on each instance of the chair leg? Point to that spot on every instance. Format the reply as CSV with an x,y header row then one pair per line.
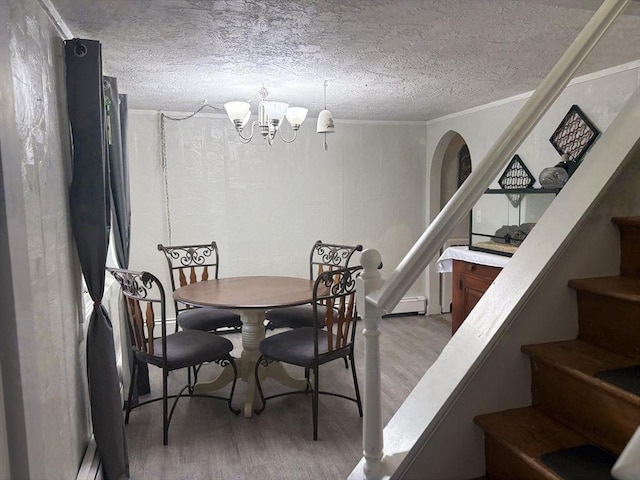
x,y
314,402
196,369
189,381
261,360
134,372
355,383
306,376
233,385
165,418
346,364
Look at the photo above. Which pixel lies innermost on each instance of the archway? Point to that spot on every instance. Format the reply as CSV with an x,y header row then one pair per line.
x,y
451,164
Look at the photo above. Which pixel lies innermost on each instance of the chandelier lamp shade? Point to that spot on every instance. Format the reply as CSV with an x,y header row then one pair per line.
x,y
270,118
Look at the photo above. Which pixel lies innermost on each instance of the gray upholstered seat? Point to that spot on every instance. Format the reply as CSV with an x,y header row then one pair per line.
x,y
296,346
145,297
186,348
295,317
329,337
208,319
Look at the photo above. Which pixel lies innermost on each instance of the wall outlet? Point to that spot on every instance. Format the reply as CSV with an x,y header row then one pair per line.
x,y
478,216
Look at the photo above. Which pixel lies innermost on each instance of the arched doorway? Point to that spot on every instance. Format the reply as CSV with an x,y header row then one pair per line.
x,y
455,168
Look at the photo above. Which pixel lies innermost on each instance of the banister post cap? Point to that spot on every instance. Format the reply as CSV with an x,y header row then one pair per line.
x,y
370,259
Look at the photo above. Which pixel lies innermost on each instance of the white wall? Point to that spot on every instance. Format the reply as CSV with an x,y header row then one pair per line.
x,y
600,96
42,347
265,206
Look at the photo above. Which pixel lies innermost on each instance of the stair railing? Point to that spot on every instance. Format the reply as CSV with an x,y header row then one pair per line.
x,y
378,297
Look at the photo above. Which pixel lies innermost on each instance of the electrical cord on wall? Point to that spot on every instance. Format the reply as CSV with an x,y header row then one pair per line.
x,y
163,157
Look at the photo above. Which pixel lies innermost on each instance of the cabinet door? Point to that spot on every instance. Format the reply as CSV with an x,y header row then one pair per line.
x,y
470,281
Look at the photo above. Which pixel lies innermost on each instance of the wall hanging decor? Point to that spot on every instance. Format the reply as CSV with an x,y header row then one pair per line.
x,y
464,164
516,176
574,135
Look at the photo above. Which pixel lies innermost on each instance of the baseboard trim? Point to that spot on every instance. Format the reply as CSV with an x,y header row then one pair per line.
x,y
157,328
417,305
90,467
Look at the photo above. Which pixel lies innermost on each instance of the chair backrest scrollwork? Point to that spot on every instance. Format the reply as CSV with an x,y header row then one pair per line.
x,y
329,256
190,264
143,294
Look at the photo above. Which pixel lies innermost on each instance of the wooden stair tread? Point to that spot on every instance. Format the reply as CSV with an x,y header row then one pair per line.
x,y
627,221
529,432
572,406
578,355
582,359
623,288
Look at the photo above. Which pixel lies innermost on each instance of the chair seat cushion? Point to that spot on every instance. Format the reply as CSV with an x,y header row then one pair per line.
x,y
295,317
296,347
187,348
208,319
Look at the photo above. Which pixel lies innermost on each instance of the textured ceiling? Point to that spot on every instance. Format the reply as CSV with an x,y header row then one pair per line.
x,y
384,60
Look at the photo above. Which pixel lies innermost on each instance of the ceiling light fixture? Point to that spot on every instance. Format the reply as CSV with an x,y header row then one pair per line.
x,y
325,120
270,117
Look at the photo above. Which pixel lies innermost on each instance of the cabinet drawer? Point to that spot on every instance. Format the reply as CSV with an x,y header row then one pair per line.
x,y
476,270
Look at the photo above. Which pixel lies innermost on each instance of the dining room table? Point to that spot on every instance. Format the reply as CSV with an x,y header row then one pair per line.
x,y
251,297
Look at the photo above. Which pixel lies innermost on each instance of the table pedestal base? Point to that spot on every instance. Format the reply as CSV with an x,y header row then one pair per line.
x,y
253,332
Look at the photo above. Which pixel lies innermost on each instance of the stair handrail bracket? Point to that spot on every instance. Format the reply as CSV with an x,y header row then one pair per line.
x,y
376,296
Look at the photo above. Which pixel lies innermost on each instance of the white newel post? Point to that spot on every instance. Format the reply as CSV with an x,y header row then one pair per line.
x,y
369,281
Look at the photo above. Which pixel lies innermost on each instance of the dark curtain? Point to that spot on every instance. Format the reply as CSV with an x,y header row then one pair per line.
x,y
116,124
89,201
119,170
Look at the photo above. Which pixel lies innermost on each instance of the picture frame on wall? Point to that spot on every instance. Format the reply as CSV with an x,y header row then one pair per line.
x,y
575,134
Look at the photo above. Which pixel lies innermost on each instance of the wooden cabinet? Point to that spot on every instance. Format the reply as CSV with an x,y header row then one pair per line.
x,y
470,281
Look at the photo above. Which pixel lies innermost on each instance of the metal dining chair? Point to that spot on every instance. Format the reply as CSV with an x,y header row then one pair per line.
x,y
145,299
329,337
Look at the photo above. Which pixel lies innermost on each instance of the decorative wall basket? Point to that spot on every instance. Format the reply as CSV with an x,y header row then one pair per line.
x,y
574,135
515,176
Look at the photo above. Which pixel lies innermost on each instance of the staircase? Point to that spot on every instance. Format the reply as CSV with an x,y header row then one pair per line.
x,y
581,418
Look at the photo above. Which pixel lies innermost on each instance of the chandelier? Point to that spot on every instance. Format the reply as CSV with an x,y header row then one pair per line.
x,y
270,118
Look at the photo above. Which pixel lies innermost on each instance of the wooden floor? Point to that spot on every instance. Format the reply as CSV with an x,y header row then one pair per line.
x,y
206,441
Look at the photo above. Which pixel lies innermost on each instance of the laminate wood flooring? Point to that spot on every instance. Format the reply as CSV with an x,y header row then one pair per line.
x,y
206,441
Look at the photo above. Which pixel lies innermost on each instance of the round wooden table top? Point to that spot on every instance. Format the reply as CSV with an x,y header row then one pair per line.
x,y
261,292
